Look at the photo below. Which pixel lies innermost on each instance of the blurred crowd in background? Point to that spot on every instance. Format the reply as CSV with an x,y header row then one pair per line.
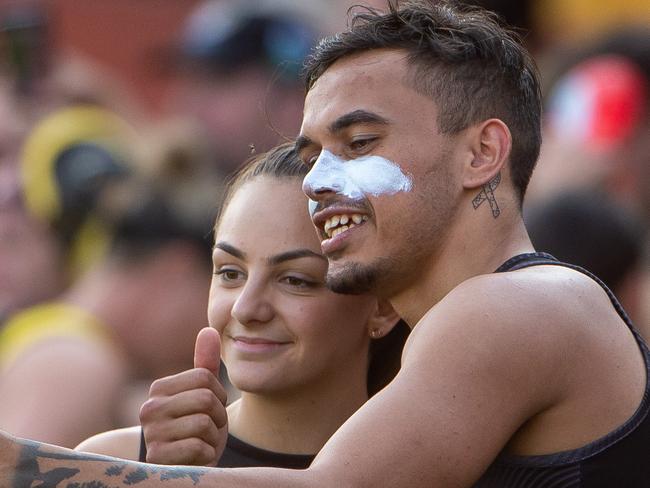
x,y
120,122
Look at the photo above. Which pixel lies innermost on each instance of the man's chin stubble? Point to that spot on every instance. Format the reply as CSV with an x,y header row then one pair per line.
x,y
354,279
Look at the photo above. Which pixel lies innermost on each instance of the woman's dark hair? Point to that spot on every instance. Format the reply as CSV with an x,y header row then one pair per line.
x,y
283,162
386,357
461,57
279,162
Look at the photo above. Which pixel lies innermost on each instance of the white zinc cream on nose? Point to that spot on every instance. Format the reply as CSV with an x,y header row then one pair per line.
x,y
354,178
312,207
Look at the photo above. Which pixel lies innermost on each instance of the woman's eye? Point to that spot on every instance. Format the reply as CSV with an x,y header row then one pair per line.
x,y
229,274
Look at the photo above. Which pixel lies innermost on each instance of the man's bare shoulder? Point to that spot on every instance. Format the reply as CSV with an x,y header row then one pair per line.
x,y
535,317
548,295
543,346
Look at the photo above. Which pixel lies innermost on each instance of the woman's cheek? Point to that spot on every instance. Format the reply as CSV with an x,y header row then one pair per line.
x,y
219,312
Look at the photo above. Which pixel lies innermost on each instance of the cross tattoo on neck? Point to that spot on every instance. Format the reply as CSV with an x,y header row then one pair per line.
x,y
487,193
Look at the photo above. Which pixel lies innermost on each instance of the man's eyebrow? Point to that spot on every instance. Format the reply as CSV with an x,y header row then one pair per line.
x,y
344,121
294,254
356,117
232,250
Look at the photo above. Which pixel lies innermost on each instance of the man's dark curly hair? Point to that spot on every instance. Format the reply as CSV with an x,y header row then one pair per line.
x,y
460,56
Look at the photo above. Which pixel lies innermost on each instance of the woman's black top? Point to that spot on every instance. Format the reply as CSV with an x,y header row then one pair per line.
x,y
239,454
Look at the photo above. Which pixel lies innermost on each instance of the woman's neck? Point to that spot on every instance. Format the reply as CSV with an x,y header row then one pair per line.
x,y
294,423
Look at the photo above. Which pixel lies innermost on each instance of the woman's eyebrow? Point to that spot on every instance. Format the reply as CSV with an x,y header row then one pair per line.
x,y
301,143
294,254
230,249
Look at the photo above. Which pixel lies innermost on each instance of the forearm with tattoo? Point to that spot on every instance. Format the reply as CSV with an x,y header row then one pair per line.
x,y
39,467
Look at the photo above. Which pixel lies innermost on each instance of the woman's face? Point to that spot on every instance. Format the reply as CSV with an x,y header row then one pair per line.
x,y
281,328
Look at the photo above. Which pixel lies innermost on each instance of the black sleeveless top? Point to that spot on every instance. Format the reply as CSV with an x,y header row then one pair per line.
x,y
620,459
239,454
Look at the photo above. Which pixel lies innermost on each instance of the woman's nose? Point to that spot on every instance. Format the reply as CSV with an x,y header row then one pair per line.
x,y
253,305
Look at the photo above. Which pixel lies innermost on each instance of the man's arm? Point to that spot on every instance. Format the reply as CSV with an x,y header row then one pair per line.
x,y
23,462
470,378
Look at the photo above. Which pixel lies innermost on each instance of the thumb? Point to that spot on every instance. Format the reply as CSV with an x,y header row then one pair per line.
x,y
207,351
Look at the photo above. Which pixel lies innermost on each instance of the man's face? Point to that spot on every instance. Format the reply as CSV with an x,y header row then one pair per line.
x,y
382,176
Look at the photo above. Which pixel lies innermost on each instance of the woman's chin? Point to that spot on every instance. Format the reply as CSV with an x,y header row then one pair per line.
x,y
257,384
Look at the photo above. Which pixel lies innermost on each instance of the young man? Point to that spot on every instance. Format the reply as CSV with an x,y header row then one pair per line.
x,y
422,127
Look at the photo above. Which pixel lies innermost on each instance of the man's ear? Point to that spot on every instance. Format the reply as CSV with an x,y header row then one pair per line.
x,y
491,142
382,320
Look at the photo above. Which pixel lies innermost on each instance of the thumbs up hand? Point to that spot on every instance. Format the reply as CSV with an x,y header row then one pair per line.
x,y
207,350
184,420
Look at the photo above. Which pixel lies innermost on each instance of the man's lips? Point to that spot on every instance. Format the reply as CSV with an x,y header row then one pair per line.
x,y
336,219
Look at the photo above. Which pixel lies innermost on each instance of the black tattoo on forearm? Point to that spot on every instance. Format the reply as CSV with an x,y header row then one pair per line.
x,y
28,471
136,476
29,474
115,470
487,193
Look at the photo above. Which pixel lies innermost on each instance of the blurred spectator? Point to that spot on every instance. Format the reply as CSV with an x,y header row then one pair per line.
x,y
587,228
38,256
596,139
598,120
24,47
571,21
239,65
31,261
67,366
31,256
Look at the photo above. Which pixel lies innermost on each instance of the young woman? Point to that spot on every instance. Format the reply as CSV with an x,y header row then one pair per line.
x,y
303,357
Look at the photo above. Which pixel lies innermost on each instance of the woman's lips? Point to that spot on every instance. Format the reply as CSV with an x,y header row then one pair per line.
x,y
257,345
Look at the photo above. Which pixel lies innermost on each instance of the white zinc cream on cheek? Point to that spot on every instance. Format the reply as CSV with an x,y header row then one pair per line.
x,y
355,178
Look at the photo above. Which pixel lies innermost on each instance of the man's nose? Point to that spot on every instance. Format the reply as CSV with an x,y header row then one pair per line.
x,y
324,177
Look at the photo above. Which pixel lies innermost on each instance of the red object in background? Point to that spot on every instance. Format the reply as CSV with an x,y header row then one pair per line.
x,y
599,102
619,103
119,34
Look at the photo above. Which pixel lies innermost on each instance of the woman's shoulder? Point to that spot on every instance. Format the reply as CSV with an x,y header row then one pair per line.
x,y
121,443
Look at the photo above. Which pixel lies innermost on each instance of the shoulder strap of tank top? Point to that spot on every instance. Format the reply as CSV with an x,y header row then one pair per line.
x,y
527,259
540,258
